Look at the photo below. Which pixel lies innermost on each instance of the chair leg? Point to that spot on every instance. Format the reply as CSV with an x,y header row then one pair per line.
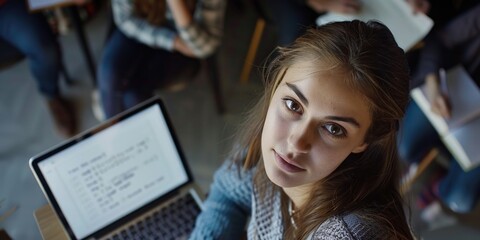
x,y
215,83
424,163
252,50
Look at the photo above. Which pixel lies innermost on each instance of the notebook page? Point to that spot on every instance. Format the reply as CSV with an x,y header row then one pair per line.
x,y
464,97
463,143
407,28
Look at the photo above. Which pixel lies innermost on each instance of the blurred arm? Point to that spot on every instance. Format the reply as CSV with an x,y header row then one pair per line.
x,y
203,31
228,205
439,101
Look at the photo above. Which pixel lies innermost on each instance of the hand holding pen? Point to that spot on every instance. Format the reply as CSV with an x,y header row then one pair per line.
x,y
437,92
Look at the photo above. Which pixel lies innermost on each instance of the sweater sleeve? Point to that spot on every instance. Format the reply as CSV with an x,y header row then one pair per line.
x,y
227,206
139,29
204,34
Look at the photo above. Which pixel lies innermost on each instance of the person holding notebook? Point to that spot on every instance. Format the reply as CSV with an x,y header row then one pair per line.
x,y
454,40
317,157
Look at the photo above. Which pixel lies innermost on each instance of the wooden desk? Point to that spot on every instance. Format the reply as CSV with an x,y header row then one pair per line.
x,y
49,224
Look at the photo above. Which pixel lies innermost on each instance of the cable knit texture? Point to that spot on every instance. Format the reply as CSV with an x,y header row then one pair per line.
x,y
232,202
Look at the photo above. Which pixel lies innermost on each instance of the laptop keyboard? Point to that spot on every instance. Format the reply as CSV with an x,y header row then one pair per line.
x,y
173,222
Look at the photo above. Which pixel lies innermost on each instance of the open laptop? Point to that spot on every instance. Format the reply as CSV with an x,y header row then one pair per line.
x,y
121,179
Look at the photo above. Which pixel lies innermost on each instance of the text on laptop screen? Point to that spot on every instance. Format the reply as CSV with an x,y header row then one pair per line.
x,y
115,171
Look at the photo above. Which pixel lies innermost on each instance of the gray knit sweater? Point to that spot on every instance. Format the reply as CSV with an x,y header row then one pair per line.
x,y
232,202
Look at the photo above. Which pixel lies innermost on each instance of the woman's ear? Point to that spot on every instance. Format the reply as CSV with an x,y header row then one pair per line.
x,y
360,148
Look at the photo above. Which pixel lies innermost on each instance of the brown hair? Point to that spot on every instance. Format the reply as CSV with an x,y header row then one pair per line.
x,y
154,11
366,182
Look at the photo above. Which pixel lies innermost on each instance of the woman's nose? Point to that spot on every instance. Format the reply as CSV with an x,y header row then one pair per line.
x,y
301,137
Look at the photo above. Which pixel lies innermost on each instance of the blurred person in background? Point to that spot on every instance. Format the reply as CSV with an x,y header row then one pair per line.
x,y
31,35
454,39
154,43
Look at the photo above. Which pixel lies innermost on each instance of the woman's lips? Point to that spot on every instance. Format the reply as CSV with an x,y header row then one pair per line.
x,y
286,166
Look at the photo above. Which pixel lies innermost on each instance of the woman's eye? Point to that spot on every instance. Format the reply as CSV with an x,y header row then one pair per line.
x,y
292,105
335,130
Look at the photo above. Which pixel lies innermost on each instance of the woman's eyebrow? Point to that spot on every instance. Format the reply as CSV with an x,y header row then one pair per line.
x,y
304,100
345,119
299,94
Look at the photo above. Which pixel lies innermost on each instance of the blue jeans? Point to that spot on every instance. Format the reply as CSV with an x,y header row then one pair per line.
x,y
459,190
130,71
30,34
416,136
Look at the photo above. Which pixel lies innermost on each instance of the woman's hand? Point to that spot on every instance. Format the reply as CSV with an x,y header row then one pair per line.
x,y
180,46
182,17
338,6
440,104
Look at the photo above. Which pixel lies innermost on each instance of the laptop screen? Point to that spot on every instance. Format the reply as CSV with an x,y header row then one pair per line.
x,y
115,171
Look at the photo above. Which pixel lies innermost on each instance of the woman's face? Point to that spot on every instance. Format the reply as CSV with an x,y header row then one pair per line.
x,y
314,121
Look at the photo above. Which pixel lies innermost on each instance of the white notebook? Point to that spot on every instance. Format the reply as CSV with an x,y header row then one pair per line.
x,y
461,132
407,28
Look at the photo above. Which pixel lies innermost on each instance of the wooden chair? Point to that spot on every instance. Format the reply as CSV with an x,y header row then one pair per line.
x,y
252,50
410,178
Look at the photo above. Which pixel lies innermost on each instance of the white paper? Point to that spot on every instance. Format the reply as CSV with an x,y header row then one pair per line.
x,y
406,27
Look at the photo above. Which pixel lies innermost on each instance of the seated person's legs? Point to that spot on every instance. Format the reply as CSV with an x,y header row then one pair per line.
x,y
32,35
121,59
8,53
130,72
459,190
417,136
160,70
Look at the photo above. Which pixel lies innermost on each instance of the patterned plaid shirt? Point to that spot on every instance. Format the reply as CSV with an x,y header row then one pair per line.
x,y
203,35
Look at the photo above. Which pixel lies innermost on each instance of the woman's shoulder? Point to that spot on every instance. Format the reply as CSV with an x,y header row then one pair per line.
x,y
349,226
232,176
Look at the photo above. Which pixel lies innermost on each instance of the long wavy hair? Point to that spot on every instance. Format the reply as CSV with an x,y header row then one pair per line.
x,y
154,11
366,182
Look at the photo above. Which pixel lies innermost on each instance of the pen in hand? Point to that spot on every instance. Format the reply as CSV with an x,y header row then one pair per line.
x,y
441,104
443,81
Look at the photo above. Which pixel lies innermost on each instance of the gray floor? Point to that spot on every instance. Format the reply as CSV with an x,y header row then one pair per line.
x,y
26,127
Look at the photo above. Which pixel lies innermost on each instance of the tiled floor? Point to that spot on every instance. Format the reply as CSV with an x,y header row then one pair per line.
x,y
26,128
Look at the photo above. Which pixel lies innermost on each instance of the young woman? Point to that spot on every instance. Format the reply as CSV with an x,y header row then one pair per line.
x,y
317,157
154,42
